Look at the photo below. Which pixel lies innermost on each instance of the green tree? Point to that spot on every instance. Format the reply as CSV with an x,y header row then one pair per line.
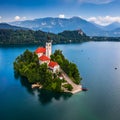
x,y
68,67
27,65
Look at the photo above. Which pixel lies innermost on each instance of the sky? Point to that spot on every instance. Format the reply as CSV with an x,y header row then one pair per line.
x,y
102,12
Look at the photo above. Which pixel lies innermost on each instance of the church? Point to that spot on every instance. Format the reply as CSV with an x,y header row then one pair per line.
x,y
44,57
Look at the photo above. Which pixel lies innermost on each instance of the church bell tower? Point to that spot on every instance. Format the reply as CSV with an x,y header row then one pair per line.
x,y
48,48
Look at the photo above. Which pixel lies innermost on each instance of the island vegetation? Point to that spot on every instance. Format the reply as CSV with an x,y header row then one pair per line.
x,y
27,66
69,68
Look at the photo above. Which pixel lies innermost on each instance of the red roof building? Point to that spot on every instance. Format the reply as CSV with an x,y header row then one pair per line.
x,y
52,64
44,58
40,50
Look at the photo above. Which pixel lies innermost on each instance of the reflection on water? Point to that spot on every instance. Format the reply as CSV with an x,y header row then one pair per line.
x,y
44,96
24,82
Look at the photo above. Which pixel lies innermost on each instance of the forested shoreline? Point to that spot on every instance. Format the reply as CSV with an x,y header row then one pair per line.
x,y
30,37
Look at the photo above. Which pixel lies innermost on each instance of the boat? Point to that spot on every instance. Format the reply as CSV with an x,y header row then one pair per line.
x,y
84,89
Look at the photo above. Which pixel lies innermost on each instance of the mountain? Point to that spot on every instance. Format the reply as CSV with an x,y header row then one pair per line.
x,y
111,30
57,25
115,32
7,26
97,25
112,26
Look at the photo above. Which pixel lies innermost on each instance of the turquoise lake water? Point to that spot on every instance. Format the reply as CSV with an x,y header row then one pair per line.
x,y
96,62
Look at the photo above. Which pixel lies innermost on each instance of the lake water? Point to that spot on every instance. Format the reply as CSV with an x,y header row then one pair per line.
x,y
96,62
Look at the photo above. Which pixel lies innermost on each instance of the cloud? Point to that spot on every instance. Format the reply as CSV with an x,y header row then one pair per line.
x,y
17,18
96,1
0,19
104,20
61,16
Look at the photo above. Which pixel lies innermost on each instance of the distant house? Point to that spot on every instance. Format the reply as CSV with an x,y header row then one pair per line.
x,y
54,66
44,57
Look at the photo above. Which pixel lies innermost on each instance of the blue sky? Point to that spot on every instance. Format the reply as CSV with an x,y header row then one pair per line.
x,y
99,11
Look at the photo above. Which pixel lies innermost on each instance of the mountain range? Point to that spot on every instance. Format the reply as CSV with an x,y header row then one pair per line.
x,y
7,26
57,25
12,35
112,26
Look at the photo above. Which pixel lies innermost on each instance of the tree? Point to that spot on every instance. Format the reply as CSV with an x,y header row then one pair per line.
x,y
68,86
68,67
27,65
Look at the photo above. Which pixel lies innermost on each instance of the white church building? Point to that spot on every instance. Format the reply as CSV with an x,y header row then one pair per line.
x,y
44,57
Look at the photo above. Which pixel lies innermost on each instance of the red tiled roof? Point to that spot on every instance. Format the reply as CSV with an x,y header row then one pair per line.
x,y
40,50
52,64
44,58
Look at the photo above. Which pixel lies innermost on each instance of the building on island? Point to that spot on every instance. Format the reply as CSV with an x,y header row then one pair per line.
x,y
54,66
44,57
40,51
48,48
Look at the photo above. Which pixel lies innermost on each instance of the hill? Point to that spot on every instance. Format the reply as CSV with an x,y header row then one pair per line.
x,y
21,37
7,26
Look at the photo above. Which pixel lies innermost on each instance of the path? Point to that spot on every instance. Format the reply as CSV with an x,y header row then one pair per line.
x,y
76,88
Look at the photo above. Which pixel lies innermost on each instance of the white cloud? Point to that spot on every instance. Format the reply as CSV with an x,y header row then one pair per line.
x,y
17,18
104,20
61,16
96,1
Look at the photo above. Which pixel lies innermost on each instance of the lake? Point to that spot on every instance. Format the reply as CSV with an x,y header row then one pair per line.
x,y
96,62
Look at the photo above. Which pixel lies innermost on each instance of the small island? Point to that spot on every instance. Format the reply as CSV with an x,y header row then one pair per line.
x,y
48,71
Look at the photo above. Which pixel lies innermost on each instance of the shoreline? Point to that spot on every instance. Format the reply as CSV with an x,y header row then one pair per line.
x,y
76,89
